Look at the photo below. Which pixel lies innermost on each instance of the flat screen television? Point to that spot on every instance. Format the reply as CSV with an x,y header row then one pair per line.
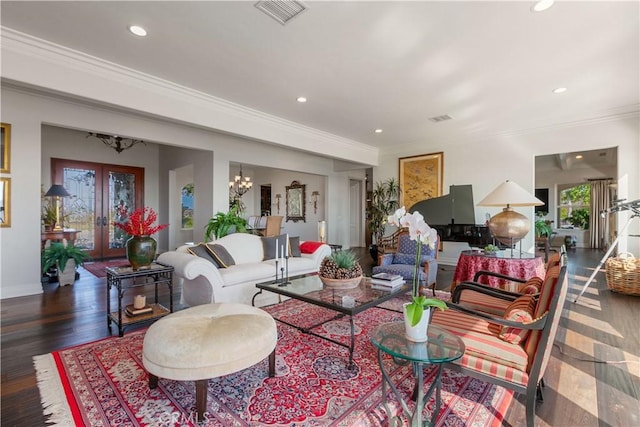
x,y
543,195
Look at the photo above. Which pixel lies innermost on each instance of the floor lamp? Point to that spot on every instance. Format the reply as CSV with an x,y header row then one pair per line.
x,y
635,208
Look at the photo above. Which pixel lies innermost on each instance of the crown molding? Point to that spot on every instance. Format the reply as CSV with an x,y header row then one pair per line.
x,y
604,116
212,112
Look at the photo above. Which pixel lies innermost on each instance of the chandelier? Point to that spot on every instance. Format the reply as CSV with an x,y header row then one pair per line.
x,y
240,185
118,143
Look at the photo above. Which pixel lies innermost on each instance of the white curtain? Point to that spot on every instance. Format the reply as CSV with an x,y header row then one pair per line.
x,y
598,225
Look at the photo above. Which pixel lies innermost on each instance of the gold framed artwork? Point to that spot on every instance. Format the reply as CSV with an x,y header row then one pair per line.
x,y
5,150
5,202
420,178
295,202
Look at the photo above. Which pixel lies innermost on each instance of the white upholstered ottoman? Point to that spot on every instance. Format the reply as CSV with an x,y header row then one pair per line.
x,y
208,341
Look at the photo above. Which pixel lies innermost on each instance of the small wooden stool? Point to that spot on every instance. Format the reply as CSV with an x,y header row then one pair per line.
x,y
208,341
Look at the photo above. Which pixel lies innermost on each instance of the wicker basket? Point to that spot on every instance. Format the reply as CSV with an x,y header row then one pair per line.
x,y
341,283
623,274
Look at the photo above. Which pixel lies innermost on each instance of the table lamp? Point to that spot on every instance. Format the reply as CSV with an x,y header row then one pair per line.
x,y
509,227
56,191
322,231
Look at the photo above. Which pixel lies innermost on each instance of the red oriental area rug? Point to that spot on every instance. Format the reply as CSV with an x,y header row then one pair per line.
x,y
104,383
97,268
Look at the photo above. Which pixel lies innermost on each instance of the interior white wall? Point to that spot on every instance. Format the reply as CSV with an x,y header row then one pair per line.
x,y
487,163
28,110
199,164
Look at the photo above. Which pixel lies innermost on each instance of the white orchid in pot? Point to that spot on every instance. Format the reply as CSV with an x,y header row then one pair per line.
x,y
422,234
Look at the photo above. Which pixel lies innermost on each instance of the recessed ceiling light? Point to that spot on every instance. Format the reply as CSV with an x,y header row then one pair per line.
x,y
378,131
138,31
301,99
541,5
579,156
560,90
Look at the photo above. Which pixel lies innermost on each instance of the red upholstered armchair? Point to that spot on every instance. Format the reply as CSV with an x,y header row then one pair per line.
x,y
510,347
402,262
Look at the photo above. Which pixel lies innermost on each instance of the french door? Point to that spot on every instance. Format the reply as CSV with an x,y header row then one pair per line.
x,y
100,195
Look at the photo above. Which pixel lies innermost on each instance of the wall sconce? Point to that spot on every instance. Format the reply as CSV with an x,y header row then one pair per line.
x,y
315,195
322,231
278,197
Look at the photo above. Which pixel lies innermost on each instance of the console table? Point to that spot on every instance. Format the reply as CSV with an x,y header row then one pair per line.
x,y
519,265
124,278
68,234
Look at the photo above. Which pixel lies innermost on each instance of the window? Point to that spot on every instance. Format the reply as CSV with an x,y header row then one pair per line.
x,y
187,206
573,207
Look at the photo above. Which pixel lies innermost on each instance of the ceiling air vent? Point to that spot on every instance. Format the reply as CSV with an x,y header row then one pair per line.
x,y
438,119
282,11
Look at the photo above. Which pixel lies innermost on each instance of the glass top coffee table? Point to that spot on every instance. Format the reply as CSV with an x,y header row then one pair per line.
x,y
346,302
442,346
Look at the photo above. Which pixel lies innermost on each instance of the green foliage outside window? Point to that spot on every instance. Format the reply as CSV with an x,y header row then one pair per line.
x,y
574,206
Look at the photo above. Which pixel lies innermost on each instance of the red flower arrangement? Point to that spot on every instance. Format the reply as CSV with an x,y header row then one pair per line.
x,y
140,223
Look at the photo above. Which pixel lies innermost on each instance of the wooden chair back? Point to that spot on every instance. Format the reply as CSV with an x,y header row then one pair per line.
x,y
273,226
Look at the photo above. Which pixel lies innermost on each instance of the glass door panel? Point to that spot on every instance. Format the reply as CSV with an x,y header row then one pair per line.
x,y
79,210
121,203
100,195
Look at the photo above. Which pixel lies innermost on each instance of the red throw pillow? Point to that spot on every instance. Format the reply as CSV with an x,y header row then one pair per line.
x,y
309,247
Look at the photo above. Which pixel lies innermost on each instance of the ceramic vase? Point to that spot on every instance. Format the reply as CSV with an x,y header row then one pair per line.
x,y
417,333
141,251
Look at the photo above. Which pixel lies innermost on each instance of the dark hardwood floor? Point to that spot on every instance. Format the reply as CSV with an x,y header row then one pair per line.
x,y
593,377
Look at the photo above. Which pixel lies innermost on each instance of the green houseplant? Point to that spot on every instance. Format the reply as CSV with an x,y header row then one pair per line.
x,y
543,228
66,257
225,223
422,234
48,216
384,201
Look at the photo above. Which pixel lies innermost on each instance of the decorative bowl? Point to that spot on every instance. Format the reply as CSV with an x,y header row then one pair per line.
x,y
341,283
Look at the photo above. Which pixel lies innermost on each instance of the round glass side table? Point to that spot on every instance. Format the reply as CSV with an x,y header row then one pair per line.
x,y
441,347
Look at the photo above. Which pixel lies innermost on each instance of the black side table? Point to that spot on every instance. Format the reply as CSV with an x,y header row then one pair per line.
x,y
441,347
125,278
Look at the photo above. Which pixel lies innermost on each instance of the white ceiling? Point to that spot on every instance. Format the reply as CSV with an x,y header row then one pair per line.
x,y
491,66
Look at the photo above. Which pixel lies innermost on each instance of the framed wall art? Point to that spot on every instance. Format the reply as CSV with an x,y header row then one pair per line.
x,y
420,178
5,202
5,150
296,207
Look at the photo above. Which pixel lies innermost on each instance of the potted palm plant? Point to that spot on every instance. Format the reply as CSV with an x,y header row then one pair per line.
x,y
384,201
417,312
65,257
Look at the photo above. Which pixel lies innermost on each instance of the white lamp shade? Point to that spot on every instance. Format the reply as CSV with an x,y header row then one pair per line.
x,y
510,194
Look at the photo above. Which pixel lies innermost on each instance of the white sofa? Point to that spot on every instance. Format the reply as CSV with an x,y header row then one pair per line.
x,y
203,283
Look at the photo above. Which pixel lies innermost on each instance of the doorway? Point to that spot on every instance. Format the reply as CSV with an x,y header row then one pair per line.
x,y
575,219
100,195
355,213
265,200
